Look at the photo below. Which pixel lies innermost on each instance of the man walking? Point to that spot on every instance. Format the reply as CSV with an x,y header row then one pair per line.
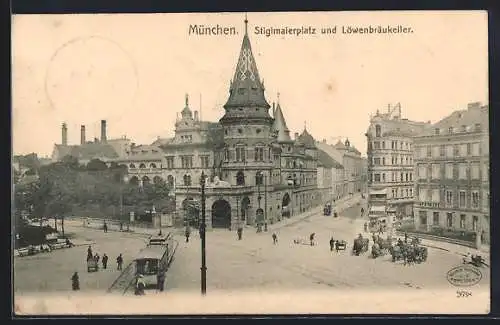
x,y
104,261
160,280
105,227
119,262
275,238
240,232
187,233
311,239
332,244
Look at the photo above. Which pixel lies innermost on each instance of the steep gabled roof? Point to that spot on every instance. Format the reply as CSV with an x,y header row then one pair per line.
x,y
246,88
306,139
325,160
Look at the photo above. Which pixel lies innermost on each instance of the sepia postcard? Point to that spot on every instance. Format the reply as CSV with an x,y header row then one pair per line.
x,y
251,163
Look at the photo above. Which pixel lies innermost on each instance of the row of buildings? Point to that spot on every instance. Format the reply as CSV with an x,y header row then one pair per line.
x,y
436,173
256,172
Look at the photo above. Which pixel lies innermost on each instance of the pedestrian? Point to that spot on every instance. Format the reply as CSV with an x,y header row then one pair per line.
x,y
275,238
105,227
119,262
332,244
104,261
160,280
140,285
89,253
187,234
75,282
240,232
97,257
406,237
311,238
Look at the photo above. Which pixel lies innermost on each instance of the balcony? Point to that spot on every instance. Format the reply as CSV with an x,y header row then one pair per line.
x,y
144,170
427,204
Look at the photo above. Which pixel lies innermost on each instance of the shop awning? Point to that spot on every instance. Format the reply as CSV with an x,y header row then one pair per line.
x,y
379,192
377,208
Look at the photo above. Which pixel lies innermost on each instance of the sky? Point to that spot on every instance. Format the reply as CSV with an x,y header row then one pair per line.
x,y
134,71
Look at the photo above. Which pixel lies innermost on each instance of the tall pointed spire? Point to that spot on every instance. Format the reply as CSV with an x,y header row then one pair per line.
x,y
246,88
246,24
279,124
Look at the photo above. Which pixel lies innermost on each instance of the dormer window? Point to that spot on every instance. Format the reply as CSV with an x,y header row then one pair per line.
x,y
378,131
450,130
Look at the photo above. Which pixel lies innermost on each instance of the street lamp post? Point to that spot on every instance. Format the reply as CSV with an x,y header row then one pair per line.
x,y
259,198
124,180
203,237
265,202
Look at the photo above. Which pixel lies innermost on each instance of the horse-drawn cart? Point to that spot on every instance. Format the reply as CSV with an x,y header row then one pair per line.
x,y
360,246
340,245
92,265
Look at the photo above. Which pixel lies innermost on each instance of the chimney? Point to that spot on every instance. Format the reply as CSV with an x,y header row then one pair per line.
x,y
103,131
196,115
64,131
274,111
296,135
82,134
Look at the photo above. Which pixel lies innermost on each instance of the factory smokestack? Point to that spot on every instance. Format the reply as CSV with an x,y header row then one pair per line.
x,y
64,134
103,131
82,134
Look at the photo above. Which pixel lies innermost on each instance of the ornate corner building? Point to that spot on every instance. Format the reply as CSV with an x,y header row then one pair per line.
x,y
390,158
256,173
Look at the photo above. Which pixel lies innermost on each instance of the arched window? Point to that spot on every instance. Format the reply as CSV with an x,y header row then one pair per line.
x,y
378,130
187,180
142,166
145,180
152,165
132,166
240,178
170,180
157,179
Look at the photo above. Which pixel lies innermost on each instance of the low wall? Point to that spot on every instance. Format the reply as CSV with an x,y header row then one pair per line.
x,y
438,239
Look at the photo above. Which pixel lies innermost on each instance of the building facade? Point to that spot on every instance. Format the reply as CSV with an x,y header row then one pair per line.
x,y
346,180
255,173
452,163
330,177
390,158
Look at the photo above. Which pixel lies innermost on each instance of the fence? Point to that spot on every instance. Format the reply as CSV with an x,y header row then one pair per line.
x,y
438,238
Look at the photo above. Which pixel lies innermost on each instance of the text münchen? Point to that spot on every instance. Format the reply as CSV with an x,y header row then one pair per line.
x,y
211,30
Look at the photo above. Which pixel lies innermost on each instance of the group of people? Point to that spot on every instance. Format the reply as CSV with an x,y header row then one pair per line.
x,y
104,260
75,279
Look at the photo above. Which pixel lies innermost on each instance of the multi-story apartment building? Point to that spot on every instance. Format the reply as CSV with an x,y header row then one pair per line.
x,y
390,158
330,177
452,163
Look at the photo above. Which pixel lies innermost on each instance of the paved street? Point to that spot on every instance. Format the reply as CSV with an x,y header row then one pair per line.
x,y
300,267
256,265
51,272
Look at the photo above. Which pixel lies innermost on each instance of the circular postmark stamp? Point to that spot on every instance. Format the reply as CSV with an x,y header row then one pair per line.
x,y
91,77
464,276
